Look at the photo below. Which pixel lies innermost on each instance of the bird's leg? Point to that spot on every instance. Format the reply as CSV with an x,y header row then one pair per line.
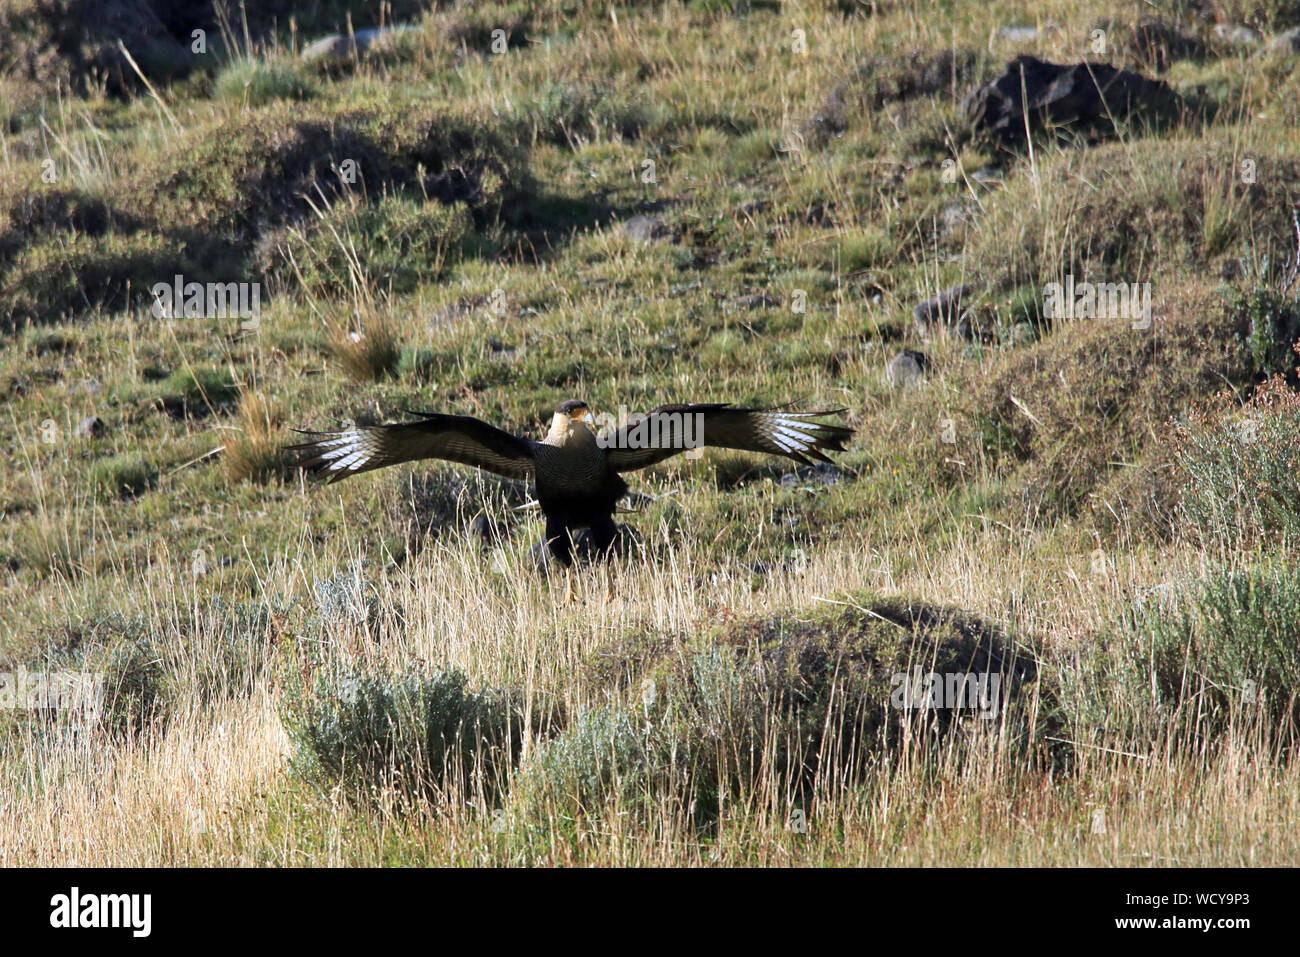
x,y
604,533
570,596
560,544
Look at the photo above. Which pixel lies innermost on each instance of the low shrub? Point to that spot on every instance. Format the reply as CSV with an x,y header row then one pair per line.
x,y
417,733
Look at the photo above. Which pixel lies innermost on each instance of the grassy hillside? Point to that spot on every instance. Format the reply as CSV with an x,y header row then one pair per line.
x,y
636,204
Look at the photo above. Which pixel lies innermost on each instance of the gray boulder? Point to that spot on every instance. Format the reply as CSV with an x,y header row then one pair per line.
x,y
941,311
645,229
819,473
336,47
90,427
907,369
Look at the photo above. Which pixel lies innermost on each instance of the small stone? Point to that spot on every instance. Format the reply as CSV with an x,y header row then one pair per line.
x,y
1285,43
987,176
941,310
907,369
1018,34
90,427
487,530
757,301
645,229
336,47
819,473
1236,34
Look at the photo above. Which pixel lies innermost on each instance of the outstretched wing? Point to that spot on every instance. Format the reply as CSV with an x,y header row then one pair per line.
x,y
456,438
670,429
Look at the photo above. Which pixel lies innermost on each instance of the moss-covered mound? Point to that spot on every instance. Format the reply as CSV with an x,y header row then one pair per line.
x,y
696,721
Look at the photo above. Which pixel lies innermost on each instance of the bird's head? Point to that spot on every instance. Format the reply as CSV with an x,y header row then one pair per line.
x,y
567,417
575,409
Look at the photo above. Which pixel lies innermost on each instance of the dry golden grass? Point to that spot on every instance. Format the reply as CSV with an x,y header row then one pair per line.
x,y
214,788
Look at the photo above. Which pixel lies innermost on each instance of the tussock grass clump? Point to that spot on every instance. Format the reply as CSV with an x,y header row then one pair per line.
x,y
75,42
120,476
348,600
228,651
777,703
570,114
418,733
1058,427
199,387
67,274
472,26
236,177
369,351
1053,422
254,450
257,82
1274,323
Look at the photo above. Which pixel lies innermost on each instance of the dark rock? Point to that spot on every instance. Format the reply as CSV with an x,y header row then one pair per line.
x,y
487,530
819,473
907,369
943,310
90,427
1080,98
752,207
989,176
645,229
820,214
